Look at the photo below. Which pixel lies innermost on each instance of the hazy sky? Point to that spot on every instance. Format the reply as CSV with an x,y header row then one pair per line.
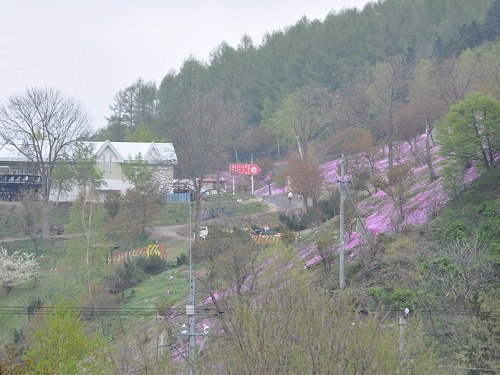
x,y
91,49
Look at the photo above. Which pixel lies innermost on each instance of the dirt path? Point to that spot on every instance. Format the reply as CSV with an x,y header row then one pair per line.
x,y
176,232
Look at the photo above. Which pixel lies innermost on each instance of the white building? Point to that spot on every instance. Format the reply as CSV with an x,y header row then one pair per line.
x,y
110,156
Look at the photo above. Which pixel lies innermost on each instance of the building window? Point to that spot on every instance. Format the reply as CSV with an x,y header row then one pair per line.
x,y
109,164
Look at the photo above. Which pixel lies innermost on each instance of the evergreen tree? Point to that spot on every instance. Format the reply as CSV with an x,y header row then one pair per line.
x,y
491,28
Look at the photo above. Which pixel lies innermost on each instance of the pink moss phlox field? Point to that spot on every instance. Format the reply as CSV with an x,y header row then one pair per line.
x,y
306,251
354,242
329,171
218,295
275,190
208,300
426,203
313,261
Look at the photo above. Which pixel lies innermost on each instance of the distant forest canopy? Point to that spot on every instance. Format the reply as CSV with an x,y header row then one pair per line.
x,y
353,70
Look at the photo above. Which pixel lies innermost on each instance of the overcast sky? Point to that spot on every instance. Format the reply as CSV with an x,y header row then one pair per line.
x,y
91,49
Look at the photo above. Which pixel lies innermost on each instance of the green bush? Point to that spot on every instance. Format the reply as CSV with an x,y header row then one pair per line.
x,y
329,206
440,267
124,277
394,297
182,259
403,297
296,221
455,229
151,265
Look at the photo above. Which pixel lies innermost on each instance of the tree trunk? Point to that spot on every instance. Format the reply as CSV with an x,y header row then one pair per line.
x,y
45,207
45,218
88,233
390,155
428,159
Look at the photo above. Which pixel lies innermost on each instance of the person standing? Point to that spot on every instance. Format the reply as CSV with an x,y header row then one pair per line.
x,y
290,196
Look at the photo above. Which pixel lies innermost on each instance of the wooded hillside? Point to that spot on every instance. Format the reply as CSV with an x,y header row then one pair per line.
x,y
343,55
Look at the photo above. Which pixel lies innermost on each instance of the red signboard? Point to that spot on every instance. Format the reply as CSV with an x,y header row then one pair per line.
x,y
247,169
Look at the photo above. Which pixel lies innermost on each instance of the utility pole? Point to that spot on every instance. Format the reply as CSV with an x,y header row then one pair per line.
x,y
341,235
251,177
403,328
191,332
191,302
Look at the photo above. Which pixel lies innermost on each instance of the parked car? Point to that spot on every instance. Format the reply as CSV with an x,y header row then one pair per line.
x,y
203,232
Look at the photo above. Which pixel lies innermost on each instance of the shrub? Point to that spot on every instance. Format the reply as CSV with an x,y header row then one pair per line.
x,y
329,206
151,265
296,221
34,306
124,277
456,229
182,259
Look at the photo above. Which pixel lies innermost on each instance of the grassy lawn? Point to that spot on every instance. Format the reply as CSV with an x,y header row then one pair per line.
x,y
178,213
164,289
63,271
12,221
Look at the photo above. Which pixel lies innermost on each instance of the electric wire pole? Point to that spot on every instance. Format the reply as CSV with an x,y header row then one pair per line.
x,y
191,303
341,234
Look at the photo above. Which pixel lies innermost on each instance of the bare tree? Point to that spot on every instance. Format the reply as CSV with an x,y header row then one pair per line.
x,y
386,91
456,78
307,178
266,176
44,126
397,185
424,91
200,132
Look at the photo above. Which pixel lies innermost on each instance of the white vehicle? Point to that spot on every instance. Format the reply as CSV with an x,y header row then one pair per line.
x,y
203,233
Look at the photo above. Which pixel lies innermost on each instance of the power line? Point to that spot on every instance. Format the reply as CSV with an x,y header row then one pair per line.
x,y
25,310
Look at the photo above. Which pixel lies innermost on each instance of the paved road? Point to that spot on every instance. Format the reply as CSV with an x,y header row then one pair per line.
x,y
180,232
280,202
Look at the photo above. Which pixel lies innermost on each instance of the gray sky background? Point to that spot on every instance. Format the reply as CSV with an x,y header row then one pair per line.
x,y
91,49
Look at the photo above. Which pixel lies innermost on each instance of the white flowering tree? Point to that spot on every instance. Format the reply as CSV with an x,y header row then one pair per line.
x,y
16,268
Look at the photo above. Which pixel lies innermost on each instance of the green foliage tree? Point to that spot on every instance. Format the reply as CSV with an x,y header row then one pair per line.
x,y
133,106
61,346
87,217
491,21
304,116
489,65
142,133
470,133
142,200
31,213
